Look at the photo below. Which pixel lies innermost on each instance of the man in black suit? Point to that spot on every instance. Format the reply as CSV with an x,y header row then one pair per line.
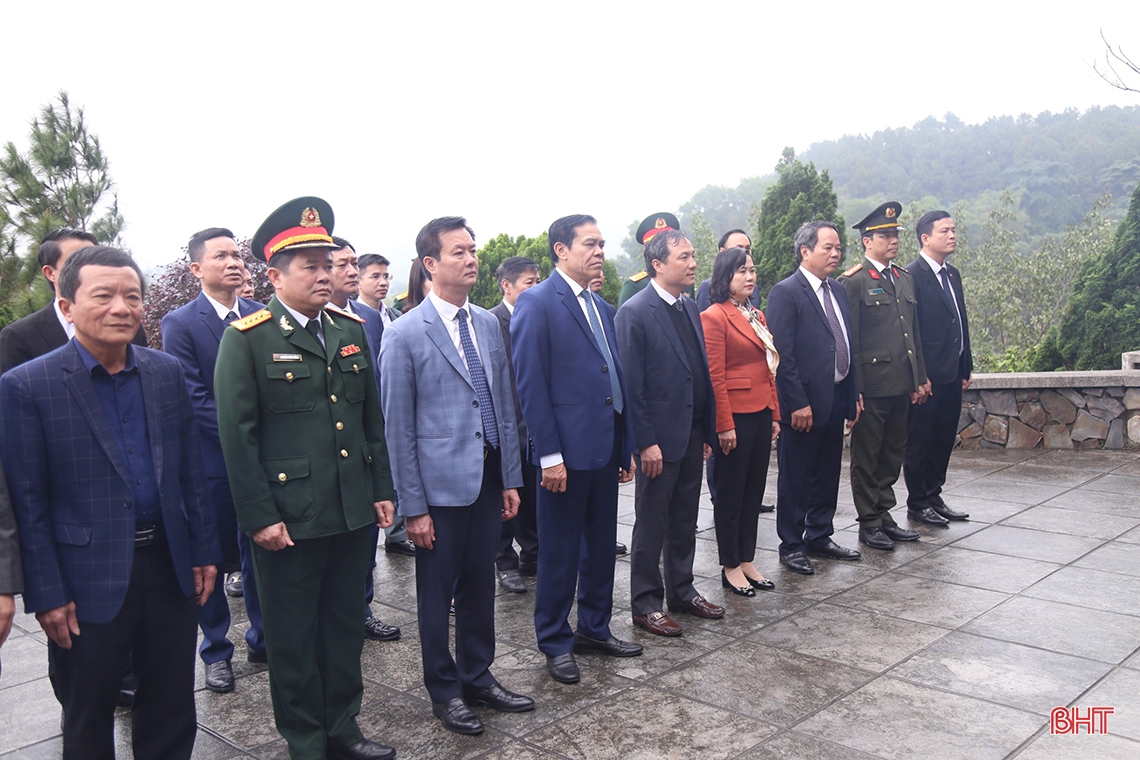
x,y
949,365
46,330
662,343
818,388
515,275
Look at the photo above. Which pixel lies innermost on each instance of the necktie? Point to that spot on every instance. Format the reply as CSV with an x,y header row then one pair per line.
x,y
842,359
679,306
230,317
479,380
942,275
604,347
314,328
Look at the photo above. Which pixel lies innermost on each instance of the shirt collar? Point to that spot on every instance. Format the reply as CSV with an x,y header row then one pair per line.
x,y
573,285
68,328
90,362
934,265
510,307
814,281
449,310
879,266
220,308
666,296
301,318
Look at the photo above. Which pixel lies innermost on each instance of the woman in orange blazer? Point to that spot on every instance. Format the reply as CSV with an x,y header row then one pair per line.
x,y
742,366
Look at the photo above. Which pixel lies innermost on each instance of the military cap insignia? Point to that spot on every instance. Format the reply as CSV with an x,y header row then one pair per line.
x,y
350,350
256,318
310,218
853,270
660,224
284,323
343,313
889,212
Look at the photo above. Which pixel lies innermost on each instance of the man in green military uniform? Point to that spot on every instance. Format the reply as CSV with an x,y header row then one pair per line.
x,y
650,226
892,376
303,438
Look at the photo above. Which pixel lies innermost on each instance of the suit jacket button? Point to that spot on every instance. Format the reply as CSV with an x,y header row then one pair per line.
x,y
609,400
478,434
475,403
330,370
282,477
127,503
344,454
605,368
688,379
909,351
333,398
689,407
340,426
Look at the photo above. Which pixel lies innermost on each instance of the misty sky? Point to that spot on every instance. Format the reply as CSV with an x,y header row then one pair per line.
x,y
513,114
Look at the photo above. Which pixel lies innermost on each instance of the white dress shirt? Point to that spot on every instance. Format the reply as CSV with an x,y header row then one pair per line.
x,y
817,288
221,308
304,321
67,326
448,312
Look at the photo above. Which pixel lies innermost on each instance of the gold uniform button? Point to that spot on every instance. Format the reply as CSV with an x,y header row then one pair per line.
x,y
288,375
340,426
333,397
355,368
909,351
330,370
282,477
344,453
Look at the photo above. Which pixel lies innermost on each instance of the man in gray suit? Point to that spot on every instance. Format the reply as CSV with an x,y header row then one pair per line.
x,y
453,443
670,401
11,575
515,275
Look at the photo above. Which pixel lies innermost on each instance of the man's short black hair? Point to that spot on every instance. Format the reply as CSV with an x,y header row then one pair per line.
x,y
371,260
341,244
282,259
564,231
925,223
657,249
428,242
724,238
808,234
513,268
95,255
724,269
49,247
196,248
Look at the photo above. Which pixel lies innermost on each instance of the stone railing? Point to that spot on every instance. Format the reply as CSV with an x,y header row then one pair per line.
x,y
1054,410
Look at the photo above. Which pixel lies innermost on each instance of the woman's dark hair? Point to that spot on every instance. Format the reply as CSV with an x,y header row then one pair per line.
x,y
416,279
724,269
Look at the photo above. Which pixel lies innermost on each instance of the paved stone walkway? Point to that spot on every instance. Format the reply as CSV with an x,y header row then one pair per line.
x,y
958,646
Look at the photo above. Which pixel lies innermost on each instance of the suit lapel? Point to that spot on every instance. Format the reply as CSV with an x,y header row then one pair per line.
x,y
210,317
813,299
49,328
737,320
79,384
933,282
333,335
885,281
660,311
437,332
292,331
571,302
153,423
483,338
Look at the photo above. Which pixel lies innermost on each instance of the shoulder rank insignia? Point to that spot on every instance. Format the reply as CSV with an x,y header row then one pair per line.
x,y
253,319
853,270
639,277
896,270
402,296
350,315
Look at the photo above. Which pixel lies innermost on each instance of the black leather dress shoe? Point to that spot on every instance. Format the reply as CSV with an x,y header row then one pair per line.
x,y
498,698
612,646
457,717
876,538
899,533
621,548
927,515
563,668
832,550
797,562
512,581
363,750
234,585
220,676
252,655
377,630
940,507
767,508
405,547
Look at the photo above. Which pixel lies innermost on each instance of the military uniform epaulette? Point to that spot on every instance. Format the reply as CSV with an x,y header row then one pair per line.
x,y
901,269
342,313
639,277
853,270
253,319
402,296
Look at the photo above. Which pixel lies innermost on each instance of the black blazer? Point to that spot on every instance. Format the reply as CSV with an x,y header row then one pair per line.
x,y
938,324
35,335
806,375
658,375
504,316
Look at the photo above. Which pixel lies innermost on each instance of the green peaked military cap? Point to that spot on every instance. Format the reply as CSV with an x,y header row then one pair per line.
x,y
655,223
884,217
305,222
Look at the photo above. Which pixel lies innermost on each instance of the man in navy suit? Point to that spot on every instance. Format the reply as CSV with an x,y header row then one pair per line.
x,y
817,386
662,345
572,393
101,448
931,428
345,288
191,334
452,439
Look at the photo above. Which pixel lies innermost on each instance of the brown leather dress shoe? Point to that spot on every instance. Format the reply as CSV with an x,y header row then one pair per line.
x,y
699,607
657,623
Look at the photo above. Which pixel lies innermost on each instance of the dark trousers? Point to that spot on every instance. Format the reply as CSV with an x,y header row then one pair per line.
x,y
741,476
807,488
310,602
877,445
214,615
155,630
665,530
577,530
522,528
930,440
460,564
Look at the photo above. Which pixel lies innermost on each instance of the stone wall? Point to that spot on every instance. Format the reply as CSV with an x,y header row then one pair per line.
x,y
1055,410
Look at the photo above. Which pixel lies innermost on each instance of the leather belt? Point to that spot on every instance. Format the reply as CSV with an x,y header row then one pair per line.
x,y
145,535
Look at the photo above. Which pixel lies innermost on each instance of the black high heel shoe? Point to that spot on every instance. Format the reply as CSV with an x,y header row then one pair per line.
x,y
763,585
740,591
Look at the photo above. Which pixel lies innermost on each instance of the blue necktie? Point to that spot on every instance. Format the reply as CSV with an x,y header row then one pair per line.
x,y
479,380
604,347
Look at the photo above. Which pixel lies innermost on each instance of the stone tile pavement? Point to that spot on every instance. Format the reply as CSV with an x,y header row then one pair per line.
x,y
958,646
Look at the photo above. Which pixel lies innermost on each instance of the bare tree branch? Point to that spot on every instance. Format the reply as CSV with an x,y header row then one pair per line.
x,y
1112,59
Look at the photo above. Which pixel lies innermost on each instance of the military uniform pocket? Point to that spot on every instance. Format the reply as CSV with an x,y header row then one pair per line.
x,y
289,388
292,487
353,371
